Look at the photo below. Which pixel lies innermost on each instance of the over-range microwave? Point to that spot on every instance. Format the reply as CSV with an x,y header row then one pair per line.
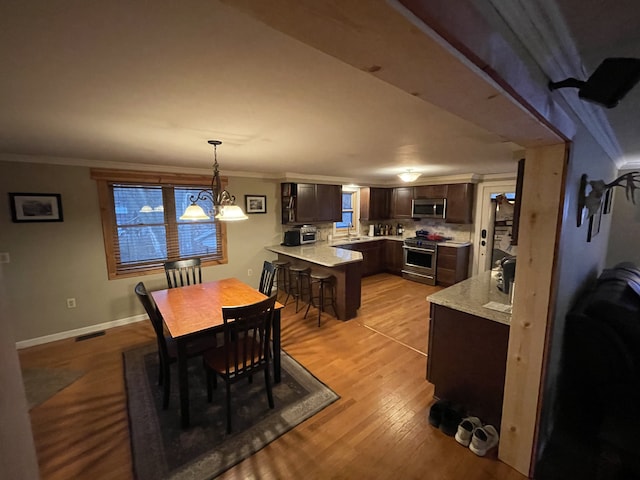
x,y
429,207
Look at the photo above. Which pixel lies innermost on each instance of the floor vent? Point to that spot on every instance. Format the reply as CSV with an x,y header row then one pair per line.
x,y
90,335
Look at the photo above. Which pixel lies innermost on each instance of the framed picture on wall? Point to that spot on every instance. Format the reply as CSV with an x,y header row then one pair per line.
x,y
35,207
255,203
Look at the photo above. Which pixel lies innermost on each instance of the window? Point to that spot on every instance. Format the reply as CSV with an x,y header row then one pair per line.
x,y
349,213
141,222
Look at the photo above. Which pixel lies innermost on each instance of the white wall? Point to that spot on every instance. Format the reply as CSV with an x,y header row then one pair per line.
x,y
54,261
579,262
625,228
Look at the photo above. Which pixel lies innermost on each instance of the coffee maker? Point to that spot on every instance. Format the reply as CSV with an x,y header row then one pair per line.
x,y
506,274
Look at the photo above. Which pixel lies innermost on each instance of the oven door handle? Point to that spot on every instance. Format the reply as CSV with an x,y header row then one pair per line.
x,y
419,250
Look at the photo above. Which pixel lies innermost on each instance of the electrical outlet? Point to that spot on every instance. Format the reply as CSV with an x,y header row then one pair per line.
x,y
71,303
250,272
4,257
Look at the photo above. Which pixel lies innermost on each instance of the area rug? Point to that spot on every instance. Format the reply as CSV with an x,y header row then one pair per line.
x,y
40,384
162,450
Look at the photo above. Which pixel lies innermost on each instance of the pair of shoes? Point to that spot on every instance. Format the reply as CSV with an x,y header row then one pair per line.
x,y
484,439
445,416
437,411
465,430
480,439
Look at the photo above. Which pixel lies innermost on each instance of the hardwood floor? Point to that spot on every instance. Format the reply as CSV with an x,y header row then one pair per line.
x,y
378,428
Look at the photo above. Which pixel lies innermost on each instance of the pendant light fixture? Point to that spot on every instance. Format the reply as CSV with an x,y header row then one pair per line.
x,y
409,176
224,207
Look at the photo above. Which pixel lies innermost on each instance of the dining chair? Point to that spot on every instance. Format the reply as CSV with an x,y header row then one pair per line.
x,y
267,277
245,350
167,348
183,272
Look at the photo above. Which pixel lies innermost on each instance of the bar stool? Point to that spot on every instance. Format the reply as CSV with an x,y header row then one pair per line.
x,y
324,281
280,278
298,283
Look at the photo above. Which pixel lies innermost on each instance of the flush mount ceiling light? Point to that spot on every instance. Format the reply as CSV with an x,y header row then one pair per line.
x,y
224,207
611,81
409,176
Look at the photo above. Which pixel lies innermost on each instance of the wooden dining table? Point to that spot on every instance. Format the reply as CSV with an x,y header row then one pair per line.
x,y
196,310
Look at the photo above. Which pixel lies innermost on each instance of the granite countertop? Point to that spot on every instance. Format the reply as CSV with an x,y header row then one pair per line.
x,y
321,253
471,296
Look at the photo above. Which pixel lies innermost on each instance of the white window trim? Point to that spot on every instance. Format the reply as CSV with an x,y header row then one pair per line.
x,y
341,232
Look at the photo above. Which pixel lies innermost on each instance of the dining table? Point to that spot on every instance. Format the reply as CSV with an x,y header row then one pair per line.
x,y
196,310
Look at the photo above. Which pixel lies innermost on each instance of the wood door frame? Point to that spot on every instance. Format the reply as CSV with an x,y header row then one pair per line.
x,y
483,218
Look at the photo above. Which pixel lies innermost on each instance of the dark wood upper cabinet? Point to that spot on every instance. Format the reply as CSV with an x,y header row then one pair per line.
x,y
459,203
310,202
329,203
430,191
306,207
401,202
375,203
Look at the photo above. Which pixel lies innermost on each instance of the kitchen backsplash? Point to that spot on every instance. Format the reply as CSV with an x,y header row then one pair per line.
x,y
458,233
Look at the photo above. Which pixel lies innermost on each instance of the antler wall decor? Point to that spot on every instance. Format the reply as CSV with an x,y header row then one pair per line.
x,y
592,193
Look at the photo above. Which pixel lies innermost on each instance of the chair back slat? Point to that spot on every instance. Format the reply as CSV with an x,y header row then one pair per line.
x,y
247,330
183,272
267,277
154,316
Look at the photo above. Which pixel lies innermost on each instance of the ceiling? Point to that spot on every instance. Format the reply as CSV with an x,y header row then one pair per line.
x,y
148,83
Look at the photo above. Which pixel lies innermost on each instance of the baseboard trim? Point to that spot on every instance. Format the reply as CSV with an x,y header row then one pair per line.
x,y
79,331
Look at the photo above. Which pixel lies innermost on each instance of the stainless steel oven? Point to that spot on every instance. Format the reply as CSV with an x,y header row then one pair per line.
x,y
420,258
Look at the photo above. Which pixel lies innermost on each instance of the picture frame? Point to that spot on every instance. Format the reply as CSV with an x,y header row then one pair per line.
x,y
35,207
255,203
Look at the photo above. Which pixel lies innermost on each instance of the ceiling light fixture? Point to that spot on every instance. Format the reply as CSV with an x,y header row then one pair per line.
x,y
224,207
409,176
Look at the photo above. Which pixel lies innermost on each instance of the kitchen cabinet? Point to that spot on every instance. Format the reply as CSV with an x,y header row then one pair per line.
x,y
311,203
393,256
401,202
372,256
452,264
430,191
459,203
463,369
375,203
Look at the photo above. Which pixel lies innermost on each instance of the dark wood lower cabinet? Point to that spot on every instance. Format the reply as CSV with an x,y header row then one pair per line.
x,y
467,361
452,265
394,256
379,256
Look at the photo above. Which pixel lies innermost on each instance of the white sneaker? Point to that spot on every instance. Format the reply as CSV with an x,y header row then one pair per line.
x,y
483,440
465,430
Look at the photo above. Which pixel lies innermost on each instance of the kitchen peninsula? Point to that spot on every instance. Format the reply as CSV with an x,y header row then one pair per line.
x,y
468,341
345,265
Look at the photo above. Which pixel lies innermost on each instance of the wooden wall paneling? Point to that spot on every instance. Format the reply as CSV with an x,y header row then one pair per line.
x,y
540,222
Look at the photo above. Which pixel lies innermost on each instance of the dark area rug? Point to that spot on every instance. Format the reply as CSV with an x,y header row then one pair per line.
x,y
40,384
162,450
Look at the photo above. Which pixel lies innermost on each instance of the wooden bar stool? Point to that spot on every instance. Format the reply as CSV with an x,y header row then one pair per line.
x,y
326,284
299,283
281,276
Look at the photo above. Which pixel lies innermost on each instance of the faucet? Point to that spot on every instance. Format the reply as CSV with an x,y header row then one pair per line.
x,y
349,227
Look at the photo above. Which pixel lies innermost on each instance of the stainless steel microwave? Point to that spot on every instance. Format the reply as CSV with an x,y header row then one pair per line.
x,y
428,207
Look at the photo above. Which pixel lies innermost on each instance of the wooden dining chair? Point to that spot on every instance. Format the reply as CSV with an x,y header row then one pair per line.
x,y
167,348
267,277
245,350
183,272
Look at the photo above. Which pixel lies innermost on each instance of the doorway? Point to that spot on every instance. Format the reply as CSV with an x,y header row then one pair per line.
x,y
487,236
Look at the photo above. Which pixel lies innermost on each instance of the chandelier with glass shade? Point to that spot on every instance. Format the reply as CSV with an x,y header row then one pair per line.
x,y
224,207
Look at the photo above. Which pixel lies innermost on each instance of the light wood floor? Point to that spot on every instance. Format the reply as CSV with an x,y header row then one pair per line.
x,y
377,430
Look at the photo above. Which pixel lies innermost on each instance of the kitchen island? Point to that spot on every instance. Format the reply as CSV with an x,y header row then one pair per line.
x,y
345,265
468,341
